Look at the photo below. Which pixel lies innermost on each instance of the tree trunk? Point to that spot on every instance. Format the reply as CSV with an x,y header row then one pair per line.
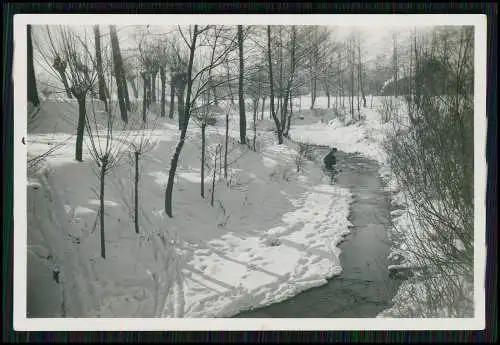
x,y
226,144
241,95
288,92
395,63
136,192
119,74
134,87
229,85
361,86
180,108
62,74
263,105
172,100
213,176
103,95
101,207
255,105
163,78
153,86
352,82
220,161
82,114
313,91
357,96
281,109
145,96
214,91
32,89
273,113
288,123
178,149
202,181
326,88
125,89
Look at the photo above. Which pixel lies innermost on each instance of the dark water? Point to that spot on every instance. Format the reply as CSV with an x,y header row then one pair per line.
x,y
364,288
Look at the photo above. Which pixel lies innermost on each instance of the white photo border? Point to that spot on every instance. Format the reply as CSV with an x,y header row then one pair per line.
x,y
22,323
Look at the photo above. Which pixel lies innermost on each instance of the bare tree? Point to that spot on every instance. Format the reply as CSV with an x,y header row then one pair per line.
x,y
121,83
32,90
81,79
203,114
271,82
106,150
172,99
433,160
395,62
141,144
360,73
351,56
131,67
163,79
59,64
318,37
173,165
241,93
218,150
226,140
288,93
192,95
103,94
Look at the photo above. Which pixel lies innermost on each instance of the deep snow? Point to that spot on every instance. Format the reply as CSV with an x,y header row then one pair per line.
x,y
271,233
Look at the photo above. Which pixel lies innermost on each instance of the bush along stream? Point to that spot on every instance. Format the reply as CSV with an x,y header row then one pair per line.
x,y
364,288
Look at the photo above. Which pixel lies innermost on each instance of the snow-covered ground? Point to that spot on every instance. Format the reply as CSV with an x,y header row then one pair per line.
x,y
271,233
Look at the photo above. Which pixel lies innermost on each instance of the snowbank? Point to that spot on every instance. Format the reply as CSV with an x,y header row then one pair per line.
x,y
271,233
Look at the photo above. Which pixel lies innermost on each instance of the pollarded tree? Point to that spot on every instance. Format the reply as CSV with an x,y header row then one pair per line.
x,y
140,145
32,90
176,63
57,61
82,77
131,66
106,147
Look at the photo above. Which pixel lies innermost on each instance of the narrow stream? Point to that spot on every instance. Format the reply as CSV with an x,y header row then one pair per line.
x,y
364,288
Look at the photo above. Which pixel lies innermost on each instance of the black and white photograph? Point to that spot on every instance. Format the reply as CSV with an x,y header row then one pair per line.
x,y
250,170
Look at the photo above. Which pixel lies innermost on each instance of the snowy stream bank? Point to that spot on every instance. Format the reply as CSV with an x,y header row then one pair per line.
x,y
364,288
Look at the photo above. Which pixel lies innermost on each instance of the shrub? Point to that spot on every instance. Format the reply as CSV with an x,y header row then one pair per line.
x,y
433,160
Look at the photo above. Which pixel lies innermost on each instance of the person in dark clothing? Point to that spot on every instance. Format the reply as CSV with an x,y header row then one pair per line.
x,y
330,160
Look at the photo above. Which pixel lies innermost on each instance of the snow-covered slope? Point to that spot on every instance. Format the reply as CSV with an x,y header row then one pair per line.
x,y
271,233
